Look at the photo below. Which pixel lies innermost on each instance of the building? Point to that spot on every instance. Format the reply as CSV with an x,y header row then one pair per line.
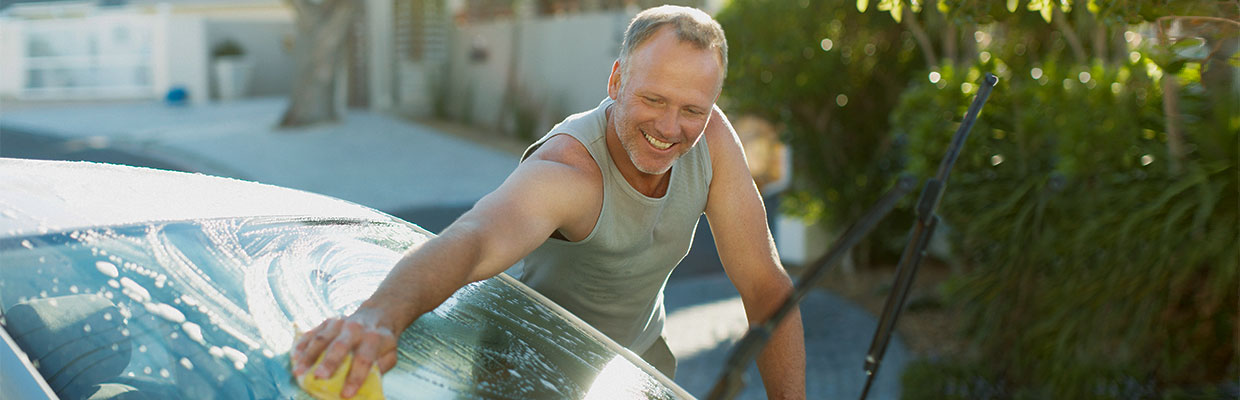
x,y
107,50
514,67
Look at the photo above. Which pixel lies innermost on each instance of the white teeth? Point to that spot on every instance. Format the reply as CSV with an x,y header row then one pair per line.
x,y
658,144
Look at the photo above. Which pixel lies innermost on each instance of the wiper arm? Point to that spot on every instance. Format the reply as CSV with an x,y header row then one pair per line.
x,y
923,228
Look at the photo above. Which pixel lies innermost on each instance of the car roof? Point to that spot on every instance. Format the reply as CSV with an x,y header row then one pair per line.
x,y
46,196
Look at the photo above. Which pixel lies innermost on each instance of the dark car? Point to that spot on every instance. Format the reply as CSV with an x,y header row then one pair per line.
x,y
119,282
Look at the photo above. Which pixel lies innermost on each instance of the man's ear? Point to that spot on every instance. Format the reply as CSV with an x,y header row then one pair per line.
x,y
613,82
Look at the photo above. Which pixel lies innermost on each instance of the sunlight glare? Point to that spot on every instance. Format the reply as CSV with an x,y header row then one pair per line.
x,y
619,379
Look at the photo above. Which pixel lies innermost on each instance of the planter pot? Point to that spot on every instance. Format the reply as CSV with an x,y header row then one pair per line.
x,y
232,77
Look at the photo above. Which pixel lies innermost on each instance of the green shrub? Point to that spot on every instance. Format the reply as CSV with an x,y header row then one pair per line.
x,y
1098,269
227,48
828,76
1102,264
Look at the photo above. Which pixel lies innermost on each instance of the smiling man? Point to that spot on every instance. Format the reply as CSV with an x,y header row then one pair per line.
x,y
600,210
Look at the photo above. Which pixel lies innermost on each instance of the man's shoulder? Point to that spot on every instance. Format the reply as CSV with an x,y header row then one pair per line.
x,y
565,150
721,138
563,175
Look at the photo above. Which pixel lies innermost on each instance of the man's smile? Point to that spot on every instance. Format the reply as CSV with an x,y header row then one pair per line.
x,y
658,144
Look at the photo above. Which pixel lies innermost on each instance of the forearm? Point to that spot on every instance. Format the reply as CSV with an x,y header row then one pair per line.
x,y
782,361
424,278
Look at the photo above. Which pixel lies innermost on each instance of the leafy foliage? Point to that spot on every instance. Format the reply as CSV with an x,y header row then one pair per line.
x,y
828,75
1091,259
1095,202
1099,271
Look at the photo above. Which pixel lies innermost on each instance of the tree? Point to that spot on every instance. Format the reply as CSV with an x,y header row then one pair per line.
x,y
323,28
828,76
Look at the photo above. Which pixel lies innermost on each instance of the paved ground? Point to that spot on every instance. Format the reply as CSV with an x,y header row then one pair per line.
x,y
705,317
428,177
372,159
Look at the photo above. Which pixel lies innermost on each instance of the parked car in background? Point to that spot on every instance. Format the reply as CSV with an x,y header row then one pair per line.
x,y
121,282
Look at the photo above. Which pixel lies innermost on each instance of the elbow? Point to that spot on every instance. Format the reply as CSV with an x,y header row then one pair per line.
x,y
774,287
766,298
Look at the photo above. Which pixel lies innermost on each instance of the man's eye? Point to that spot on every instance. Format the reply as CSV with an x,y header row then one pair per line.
x,y
652,100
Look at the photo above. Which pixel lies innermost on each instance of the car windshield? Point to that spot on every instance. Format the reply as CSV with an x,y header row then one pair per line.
x,y
207,309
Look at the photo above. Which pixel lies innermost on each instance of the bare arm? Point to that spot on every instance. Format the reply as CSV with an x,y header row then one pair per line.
x,y
543,195
738,222
502,228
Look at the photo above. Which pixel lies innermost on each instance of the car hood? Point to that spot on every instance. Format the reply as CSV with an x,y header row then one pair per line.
x,y
195,283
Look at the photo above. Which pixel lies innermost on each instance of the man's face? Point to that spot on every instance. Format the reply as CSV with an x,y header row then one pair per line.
x,y
664,100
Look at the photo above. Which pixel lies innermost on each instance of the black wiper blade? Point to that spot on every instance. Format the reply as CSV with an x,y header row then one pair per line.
x,y
923,228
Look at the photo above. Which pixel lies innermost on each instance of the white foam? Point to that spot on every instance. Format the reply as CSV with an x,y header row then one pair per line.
x,y
165,311
236,356
134,290
194,332
107,268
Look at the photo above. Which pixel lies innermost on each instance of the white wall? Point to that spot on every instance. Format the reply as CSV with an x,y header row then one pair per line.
x,y
476,88
380,49
562,66
416,86
180,54
262,39
173,47
12,58
571,58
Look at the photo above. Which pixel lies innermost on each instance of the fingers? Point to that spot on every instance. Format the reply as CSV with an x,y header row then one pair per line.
x,y
335,339
337,350
362,358
302,341
375,347
387,361
312,344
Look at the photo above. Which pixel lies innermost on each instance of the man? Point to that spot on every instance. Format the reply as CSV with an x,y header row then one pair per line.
x,y
601,209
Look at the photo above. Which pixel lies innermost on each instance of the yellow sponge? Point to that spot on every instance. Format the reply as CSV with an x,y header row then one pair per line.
x,y
329,389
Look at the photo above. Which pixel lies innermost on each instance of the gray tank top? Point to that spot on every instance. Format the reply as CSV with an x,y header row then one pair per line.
x,y
614,278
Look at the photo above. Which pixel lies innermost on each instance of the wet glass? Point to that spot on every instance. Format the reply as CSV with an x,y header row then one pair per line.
x,y
206,310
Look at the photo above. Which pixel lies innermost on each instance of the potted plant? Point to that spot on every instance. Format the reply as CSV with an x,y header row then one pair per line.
x,y
231,69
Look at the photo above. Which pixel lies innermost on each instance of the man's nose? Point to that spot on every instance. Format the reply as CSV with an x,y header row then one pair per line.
x,y
667,124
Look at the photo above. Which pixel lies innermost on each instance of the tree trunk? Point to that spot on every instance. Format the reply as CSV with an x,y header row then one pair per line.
x,y
322,30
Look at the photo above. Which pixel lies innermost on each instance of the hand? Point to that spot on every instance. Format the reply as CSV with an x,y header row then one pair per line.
x,y
361,333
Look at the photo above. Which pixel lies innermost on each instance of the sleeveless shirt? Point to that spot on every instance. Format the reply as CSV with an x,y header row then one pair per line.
x,y
614,278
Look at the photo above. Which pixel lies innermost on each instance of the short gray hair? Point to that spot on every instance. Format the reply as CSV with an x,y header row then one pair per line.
x,y
691,26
